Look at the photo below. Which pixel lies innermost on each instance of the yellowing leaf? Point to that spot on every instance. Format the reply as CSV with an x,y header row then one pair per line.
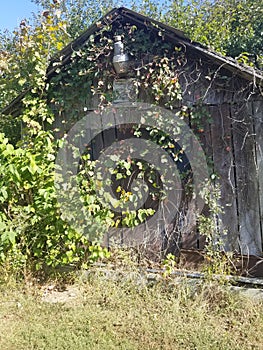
x,y
21,81
60,46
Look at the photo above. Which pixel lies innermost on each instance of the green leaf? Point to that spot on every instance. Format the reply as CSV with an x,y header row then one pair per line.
x,y
119,176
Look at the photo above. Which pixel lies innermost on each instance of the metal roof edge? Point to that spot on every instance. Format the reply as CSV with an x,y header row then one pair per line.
x,y
229,63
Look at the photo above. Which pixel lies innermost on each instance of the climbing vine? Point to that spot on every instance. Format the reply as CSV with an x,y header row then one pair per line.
x,y
57,96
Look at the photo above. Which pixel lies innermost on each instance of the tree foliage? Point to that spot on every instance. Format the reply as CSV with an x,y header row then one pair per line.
x,y
25,55
77,14
233,28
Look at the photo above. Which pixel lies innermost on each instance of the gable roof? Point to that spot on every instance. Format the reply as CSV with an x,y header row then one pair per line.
x,y
169,32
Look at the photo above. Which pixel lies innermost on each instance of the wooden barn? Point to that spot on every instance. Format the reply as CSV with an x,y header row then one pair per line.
x,y
127,57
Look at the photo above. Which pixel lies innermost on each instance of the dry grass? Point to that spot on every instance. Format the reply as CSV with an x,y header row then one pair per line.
x,y
103,313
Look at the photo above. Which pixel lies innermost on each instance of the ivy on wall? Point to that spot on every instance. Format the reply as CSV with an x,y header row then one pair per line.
x,y
30,221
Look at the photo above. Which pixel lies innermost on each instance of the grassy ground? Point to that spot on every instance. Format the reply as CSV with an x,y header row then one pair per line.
x,y
104,314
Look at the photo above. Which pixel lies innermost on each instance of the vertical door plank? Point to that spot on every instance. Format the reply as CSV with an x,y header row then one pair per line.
x,y
246,180
223,159
257,110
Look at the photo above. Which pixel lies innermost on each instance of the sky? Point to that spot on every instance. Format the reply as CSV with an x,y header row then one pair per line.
x,y
13,11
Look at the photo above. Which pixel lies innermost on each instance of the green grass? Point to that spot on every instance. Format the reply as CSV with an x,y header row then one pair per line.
x,y
122,314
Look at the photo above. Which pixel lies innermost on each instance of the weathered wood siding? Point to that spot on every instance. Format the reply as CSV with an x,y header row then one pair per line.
x,y
232,139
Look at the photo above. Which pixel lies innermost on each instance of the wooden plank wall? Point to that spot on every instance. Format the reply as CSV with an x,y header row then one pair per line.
x,y
234,142
223,160
247,186
257,112
233,139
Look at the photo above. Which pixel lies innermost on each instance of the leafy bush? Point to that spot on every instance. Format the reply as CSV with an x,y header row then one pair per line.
x,y
30,220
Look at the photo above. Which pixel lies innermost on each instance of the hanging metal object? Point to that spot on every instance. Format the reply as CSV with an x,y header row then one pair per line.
x,y
120,58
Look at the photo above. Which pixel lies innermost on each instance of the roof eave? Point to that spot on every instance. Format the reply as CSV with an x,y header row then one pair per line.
x,y
174,34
